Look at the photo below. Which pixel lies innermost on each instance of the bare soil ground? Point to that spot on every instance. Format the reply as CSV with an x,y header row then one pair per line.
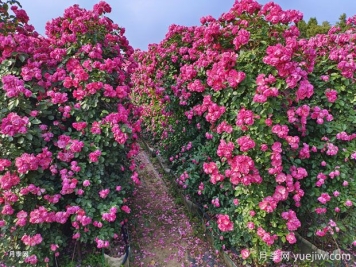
x,y
161,233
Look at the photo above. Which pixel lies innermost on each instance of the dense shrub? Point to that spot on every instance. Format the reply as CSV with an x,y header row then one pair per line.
x,y
68,132
259,125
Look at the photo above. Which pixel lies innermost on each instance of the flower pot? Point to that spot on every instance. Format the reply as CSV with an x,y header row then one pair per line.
x,y
309,252
124,259
228,261
118,262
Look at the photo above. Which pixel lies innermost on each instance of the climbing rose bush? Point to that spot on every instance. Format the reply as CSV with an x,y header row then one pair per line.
x,y
68,132
258,124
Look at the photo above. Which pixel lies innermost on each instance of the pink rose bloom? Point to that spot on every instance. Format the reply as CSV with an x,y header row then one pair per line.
x,y
216,202
268,204
224,223
208,136
268,122
264,147
118,188
281,193
241,38
332,223
250,225
225,149
324,198
104,193
7,210
245,143
331,95
305,90
281,178
245,117
280,130
320,232
54,247
14,124
320,210
235,201
348,203
331,149
31,259
76,236
293,224
126,209
101,243
80,192
34,113
79,125
325,78
95,129
32,241
110,217
86,183
98,224
76,146
209,168
245,253
291,238
94,156
277,256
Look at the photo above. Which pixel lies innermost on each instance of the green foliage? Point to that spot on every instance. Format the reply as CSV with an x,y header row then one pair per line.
x,y
186,120
70,163
312,28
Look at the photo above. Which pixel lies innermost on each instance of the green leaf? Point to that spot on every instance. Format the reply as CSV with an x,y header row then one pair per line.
x,y
11,105
8,63
35,121
29,136
22,57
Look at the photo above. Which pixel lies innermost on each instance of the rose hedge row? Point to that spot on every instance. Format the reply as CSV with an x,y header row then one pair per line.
x,y
68,132
259,125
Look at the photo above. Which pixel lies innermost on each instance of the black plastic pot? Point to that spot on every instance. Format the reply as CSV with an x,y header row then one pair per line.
x,y
124,259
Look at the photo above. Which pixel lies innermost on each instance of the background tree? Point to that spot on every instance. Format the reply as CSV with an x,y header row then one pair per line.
x,y
342,22
313,28
302,26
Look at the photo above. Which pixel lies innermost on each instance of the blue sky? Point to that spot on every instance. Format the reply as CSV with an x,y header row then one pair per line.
x,y
147,21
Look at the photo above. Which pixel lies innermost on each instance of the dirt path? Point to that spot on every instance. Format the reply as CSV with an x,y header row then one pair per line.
x,y
161,233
